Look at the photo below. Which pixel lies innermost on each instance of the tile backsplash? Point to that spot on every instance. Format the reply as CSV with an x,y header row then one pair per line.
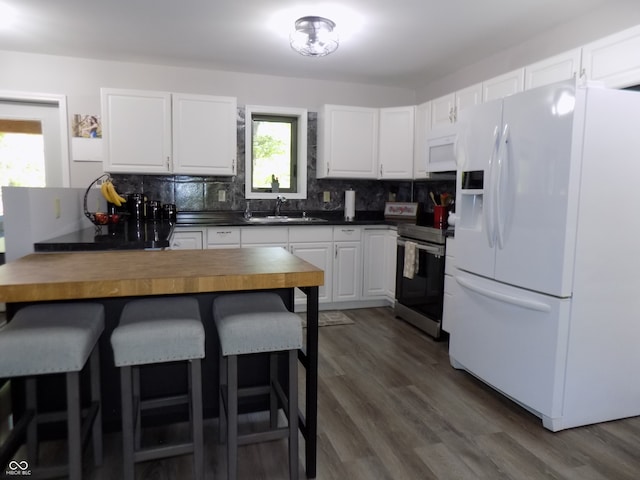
x,y
197,193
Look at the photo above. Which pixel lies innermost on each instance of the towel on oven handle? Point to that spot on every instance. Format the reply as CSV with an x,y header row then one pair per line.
x,y
410,259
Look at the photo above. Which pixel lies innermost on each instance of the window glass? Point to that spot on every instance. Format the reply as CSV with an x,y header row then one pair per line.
x,y
275,152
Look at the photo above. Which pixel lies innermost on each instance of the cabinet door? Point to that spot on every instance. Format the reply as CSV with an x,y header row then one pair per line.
x,y
442,110
503,85
422,127
347,273
136,131
320,255
396,142
614,60
554,69
347,142
468,97
204,135
379,263
186,240
390,261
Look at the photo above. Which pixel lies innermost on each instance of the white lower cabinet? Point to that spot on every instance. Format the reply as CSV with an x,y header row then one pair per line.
x,y
315,245
187,239
379,263
223,237
264,237
347,274
450,286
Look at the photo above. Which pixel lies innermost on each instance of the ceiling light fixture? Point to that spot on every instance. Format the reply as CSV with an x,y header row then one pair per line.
x,y
314,37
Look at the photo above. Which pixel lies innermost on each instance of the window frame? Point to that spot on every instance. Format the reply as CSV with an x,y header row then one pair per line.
x,y
301,143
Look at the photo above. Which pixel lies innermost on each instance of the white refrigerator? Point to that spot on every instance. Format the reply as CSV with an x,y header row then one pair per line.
x,y
547,286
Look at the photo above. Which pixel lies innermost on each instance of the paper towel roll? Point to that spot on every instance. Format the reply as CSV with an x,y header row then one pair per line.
x,y
349,205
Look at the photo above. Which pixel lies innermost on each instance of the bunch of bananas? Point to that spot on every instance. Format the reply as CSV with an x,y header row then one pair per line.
x,y
109,193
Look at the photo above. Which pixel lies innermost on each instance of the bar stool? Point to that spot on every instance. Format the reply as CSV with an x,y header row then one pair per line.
x,y
249,323
155,331
46,339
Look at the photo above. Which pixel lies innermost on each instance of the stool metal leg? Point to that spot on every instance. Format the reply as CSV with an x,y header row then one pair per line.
x,y
127,423
232,421
32,428
292,412
196,418
73,425
137,405
273,397
222,413
96,398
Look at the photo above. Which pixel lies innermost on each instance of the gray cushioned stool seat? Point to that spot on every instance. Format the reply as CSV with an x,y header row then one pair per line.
x,y
154,331
249,323
157,330
255,322
52,338
43,339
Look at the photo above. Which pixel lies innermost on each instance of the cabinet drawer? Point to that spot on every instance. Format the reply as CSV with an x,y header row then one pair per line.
x,y
223,236
186,240
265,235
342,234
310,234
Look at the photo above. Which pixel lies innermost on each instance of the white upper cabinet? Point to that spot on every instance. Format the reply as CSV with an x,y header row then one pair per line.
x,y
554,69
422,127
503,85
442,110
395,148
468,97
445,109
136,131
160,132
204,134
347,142
614,60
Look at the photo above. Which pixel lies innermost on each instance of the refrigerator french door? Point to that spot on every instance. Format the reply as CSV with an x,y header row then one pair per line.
x,y
515,196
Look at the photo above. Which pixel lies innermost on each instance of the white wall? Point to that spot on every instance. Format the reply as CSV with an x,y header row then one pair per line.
x,y
31,215
586,28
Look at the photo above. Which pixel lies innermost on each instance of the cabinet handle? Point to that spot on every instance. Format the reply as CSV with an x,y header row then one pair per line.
x,y
380,169
327,168
347,230
233,165
169,164
335,251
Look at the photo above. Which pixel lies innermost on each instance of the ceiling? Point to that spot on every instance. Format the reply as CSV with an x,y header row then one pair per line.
x,y
403,43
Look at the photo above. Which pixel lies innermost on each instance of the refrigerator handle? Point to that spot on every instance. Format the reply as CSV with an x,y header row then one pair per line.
x,y
503,297
501,185
489,195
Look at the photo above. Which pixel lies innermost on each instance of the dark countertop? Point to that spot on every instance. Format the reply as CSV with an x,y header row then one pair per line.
x,y
124,236
236,219
152,235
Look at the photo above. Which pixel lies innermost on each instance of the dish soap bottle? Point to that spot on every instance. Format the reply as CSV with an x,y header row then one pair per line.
x,y
247,210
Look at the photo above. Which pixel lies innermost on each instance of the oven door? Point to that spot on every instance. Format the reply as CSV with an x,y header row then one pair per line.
x,y
421,296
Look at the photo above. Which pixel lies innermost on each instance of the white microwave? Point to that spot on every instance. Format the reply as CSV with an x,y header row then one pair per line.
x,y
441,150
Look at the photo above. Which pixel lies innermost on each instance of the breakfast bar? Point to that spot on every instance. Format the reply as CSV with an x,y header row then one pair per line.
x,y
113,277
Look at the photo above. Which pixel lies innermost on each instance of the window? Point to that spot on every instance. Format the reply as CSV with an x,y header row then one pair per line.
x,y
276,152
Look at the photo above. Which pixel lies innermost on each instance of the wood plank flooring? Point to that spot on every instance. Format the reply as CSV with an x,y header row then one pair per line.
x,y
391,407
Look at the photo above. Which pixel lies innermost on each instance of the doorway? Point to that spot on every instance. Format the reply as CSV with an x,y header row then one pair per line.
x,y
32,151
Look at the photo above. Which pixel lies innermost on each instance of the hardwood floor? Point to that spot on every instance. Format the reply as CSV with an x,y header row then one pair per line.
x,y
391,407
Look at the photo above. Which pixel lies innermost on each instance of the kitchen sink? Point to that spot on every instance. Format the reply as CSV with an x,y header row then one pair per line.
x,y
284,219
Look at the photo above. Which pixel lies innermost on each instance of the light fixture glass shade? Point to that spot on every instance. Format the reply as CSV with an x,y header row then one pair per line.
x,y
314,37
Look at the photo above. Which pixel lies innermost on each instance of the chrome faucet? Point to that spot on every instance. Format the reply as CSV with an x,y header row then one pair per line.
x,y
279,201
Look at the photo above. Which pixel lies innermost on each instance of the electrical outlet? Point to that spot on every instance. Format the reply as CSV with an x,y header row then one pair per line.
x,y
222,196
56,205
326,198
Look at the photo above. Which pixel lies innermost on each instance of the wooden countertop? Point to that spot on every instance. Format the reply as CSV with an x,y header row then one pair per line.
x,y
66,276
